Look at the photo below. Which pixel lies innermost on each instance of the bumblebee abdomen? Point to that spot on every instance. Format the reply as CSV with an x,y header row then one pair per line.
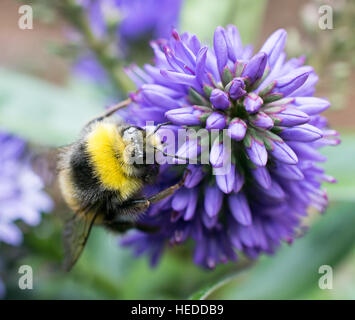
x,y
68,190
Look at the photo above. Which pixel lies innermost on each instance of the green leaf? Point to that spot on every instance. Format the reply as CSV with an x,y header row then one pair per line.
x,y
208,290
44,113
293,271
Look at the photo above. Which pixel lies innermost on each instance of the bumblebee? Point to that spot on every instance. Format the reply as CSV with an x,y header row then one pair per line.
x,y
100,185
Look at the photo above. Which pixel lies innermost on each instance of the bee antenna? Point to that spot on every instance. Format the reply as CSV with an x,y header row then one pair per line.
x,y
170,155
110,111
158,127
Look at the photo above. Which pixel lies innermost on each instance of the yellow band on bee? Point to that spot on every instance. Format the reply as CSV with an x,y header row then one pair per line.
x,y
105,147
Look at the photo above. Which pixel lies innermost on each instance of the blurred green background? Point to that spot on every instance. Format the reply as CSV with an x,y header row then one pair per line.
x,y
37,86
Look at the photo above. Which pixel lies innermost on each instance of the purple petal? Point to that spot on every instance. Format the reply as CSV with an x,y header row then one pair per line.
x,y
257,153
304,132
290,117
192,204
236,89
239,207
291,172
181,199
274,192
10,234
262,176
237,129
234,43
253,102
274,46
189,150
201,65
306,151
292,81
239,181
220,99
162,89
183,116
226,182
213,200
220,48
195,176
209,222
254,70
311,105
308,88
218,154
282,152
262,120
159,99
180,78
216,121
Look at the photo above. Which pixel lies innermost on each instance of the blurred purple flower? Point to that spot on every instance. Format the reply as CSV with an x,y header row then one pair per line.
x,y
131,23
135,19
266,102
21,194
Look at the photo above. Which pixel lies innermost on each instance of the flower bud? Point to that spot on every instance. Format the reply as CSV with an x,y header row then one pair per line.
x,y
311,105
239,207
195,175
287,84
237,129
236,88
218,154
220,99
252,102
184,116
304,132
262,120
282,152
256,151
226,181
254,70
220,48
287,116
274,46
213,200
262,177
216,121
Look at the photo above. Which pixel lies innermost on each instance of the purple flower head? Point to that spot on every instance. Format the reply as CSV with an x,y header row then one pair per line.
x,y
21,194
266,105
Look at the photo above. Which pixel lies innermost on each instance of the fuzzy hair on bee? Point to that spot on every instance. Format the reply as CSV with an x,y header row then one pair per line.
x,y
101,177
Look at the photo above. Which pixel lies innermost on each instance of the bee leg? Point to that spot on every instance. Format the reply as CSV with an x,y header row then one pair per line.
x,y
135,206
130,209
168,191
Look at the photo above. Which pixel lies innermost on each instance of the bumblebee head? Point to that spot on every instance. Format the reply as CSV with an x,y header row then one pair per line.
x,y
139,152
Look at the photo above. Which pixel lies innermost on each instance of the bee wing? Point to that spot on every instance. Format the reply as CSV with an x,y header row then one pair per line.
x,y
75,234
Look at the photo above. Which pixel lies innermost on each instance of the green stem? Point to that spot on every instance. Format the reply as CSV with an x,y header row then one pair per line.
x,y
113,66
